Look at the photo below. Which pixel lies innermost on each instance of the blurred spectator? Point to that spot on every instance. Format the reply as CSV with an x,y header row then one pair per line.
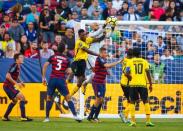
x,y
150,50
69,40
94,7
180,40
168,14
157,70
160,45
117,4
71,3
58,40
167,39
167,55
45,52
32,52
16,30
30,32
84,14
131,15
6,21
109,11
96,15
173,45
140,44
33,16
73,21
1,54
140,10
47,25
2,32
7,41
65,10
124,9
77,8
24,44
173,8
10,52
156,11
179,16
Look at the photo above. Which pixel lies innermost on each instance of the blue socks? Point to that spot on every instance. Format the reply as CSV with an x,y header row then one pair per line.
x,y
93,110
97,111
9,109
22,109
72,108
48,108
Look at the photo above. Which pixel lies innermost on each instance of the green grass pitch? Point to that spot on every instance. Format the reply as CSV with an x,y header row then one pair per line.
x,y
64,124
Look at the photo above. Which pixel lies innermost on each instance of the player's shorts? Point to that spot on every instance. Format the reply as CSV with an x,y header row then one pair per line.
x,y
126,91
59,84
134,93
99,89
79,67
11,92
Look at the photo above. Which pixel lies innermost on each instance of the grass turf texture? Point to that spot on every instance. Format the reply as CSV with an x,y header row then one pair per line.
x,y
64,124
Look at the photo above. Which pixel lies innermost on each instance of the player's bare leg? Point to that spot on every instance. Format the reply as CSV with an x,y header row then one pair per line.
x,y
9,109
72,108
23,101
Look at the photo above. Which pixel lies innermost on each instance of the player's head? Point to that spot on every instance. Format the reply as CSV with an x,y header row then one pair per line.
x,y
19,58
82,34
61,48
130,53
103,52
136,52
95,26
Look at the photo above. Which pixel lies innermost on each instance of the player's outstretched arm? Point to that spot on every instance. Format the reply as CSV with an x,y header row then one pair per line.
x,y
89,51
109,65
149,79
100,38
45,66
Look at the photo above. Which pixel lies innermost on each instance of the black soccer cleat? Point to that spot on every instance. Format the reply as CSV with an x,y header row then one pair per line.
x,y
5,119
26,119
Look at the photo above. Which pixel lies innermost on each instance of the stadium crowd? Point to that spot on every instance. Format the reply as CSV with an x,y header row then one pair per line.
x,y
26,25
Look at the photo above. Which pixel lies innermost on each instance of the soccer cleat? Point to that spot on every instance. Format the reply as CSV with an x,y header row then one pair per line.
x,y
26,119
150,124
89,119
46,120
96,120
123,119
77,119
5,119
132,124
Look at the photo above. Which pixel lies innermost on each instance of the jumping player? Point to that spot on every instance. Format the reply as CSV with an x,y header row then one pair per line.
x,y
98,83
60,67
137,70
12,81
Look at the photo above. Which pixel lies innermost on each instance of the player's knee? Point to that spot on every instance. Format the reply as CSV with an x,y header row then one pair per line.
x,y
145,101
14,101
68,98
49,98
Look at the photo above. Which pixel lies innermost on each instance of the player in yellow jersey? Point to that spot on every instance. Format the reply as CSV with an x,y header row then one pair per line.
x,y
125,86
137,70
82,46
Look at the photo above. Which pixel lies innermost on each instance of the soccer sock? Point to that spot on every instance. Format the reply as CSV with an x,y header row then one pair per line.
x,y
72,108
9,109
98,111
22,109
127,110
93,110
147,111
132,112
48,108
76,88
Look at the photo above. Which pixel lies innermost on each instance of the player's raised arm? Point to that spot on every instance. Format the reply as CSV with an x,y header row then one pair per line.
x,y
89,51
109,65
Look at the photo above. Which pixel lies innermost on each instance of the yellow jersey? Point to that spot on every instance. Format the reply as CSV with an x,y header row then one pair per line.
x,y
138,67
79,53
124,79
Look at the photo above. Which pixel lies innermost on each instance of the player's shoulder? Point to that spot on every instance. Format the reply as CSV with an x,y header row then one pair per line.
x,y
13,67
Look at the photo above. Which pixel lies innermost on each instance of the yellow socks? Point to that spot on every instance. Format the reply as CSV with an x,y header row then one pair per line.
x,y
76,88
127,110
132,112
147,111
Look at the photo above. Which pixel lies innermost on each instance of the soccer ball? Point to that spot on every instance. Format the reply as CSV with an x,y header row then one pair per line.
x,y
112,20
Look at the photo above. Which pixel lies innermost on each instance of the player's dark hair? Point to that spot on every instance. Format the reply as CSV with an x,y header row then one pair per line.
x,y
136,52
61,48
102,49
130,53
16,56
80,31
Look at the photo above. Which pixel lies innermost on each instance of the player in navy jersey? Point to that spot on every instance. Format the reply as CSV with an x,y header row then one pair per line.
x,y
98,83
60,67
12,81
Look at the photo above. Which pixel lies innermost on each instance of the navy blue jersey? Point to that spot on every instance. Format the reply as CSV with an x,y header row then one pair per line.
x,y
14,72
59,65
100,70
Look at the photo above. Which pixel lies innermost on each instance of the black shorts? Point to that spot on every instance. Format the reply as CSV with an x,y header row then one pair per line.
x,y
126,91
135,92
79,67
